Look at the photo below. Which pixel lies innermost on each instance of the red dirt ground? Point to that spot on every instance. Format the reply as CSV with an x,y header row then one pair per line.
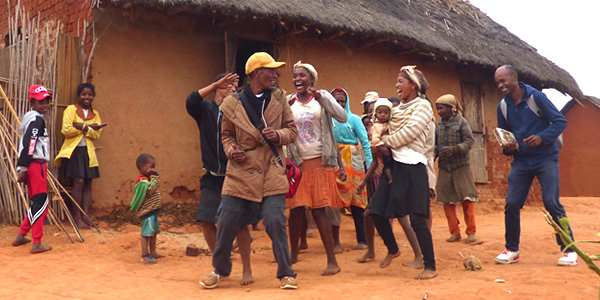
x,y
106,266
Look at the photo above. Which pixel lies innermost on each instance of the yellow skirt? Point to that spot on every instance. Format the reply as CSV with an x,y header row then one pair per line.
x,y
354,166
317,189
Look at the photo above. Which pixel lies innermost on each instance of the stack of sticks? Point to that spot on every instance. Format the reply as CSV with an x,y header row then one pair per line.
x,y
33,56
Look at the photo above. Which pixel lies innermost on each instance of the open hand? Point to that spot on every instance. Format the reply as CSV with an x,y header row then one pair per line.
x,y
227,80
97,126
238,154
533,141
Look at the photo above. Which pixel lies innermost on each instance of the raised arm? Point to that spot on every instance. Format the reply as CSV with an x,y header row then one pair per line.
x,y
332,107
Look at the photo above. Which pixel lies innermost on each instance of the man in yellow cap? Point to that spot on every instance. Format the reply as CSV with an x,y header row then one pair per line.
x,y
257,122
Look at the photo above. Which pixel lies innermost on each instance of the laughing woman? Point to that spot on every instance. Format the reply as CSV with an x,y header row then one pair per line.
x,y
409,193
315,152
351,138
81,126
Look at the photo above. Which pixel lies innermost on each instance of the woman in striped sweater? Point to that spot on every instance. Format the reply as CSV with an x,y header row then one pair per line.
x,y
409,192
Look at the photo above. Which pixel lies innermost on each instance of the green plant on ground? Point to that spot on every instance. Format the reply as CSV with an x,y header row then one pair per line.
x,y
563,232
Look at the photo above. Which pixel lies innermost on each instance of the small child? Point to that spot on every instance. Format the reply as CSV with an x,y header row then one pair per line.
x,y
455,185
395,100
31,168
147,202
383,110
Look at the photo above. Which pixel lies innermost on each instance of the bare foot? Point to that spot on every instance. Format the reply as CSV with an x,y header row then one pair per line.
x,y
368,256
360,246
388,259
20,240
39,248
82,224
294,257
247,278
331,269
303,245
337,249
426,274
415,264
157,255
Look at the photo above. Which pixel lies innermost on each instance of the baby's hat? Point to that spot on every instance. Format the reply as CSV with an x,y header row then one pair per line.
x,y
384,102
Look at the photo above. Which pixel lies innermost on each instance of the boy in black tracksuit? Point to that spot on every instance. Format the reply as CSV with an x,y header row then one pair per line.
x,y
31,168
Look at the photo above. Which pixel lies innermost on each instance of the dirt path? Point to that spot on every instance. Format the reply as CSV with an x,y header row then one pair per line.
x,y
106,266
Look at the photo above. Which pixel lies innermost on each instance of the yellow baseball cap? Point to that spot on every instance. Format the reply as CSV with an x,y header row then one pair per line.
x,y
262,60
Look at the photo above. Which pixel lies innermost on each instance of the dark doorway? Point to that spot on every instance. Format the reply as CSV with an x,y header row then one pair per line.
x,y
244,49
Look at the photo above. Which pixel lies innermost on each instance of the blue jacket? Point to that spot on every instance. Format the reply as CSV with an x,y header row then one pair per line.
x,y
523,123
351,132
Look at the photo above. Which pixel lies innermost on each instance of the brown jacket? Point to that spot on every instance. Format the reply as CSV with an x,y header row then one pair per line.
x,y
259,175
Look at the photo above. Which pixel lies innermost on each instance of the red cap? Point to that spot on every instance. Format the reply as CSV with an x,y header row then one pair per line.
x,y
38,92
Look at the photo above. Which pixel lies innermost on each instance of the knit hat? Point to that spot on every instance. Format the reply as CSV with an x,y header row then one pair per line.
x,y
310,70
382,102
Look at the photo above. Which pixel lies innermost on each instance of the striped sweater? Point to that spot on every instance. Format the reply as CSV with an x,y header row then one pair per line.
x,y
147,198
409,125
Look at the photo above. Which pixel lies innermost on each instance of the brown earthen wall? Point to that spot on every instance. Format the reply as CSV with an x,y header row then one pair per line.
x,y
143,74
69,12
579,163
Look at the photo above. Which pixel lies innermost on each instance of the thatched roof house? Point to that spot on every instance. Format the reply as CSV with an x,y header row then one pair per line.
x,y
452,30
151,53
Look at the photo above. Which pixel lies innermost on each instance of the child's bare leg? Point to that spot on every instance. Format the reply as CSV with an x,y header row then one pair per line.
x,y
145,245
337,246
209,230
412,239
152,245
77,192
244,239
388,173
326,233
370,233
295,227
303,233
86,200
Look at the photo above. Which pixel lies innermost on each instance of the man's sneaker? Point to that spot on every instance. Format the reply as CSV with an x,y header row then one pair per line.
x,y
148,259
288,283
568,259
508,257
211,280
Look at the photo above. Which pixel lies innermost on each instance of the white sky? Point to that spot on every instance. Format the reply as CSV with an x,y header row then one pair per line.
x,y
565,32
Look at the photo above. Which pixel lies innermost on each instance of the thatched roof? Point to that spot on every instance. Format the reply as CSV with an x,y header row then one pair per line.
x,y
450,29
585,100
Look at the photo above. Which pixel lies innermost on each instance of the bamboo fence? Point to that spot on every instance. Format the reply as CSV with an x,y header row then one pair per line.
x,y
33,53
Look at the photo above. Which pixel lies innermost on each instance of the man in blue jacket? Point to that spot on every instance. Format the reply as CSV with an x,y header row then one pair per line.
x,y
535,154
